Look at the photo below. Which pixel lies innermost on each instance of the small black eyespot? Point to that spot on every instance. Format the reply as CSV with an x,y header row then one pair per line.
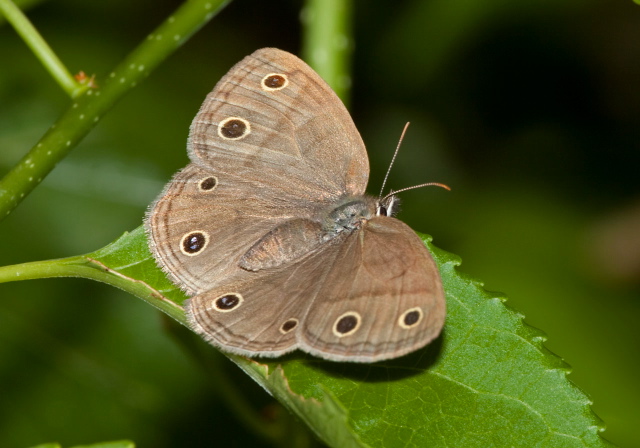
x,y
274,81
227,302
346,324
289,325
193,243
411,318
208,183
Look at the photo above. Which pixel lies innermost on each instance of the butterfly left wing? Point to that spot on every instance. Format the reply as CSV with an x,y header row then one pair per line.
x,y
372,295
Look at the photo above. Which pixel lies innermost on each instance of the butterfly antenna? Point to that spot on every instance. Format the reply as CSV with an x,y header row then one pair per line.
x,y
393,159
437,184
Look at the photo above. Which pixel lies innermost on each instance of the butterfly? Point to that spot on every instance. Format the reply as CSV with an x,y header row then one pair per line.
x,y
270,233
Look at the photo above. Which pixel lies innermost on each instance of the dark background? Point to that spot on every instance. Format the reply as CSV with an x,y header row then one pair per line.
x,y
529,110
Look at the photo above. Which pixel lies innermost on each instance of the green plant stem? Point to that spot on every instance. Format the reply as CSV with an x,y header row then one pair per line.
x,y
41,49
327,42
24,5
87,267
86,111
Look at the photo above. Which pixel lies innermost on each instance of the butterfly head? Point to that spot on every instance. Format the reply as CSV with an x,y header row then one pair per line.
x,y
388,206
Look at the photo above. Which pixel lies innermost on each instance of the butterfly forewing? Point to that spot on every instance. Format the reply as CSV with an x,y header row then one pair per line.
x,y
294,136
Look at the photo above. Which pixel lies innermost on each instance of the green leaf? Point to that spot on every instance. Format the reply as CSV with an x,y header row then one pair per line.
x,y
487,381
327,416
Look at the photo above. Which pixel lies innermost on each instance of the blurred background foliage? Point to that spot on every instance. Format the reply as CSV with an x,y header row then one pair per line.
x,y
529,110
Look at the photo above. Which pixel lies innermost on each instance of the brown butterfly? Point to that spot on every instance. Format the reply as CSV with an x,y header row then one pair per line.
x,y
269,230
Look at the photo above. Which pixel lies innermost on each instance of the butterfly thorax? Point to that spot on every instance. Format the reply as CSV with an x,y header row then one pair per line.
x,y
352,212
349,215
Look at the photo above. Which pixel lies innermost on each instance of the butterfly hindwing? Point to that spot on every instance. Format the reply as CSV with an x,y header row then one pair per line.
x,y
380,298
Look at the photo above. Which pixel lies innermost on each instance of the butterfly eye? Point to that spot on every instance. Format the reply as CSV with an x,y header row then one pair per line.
x,y
234,128
288,325
208,183
194,242
228,302
410,318
388,206
347,324
275,81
